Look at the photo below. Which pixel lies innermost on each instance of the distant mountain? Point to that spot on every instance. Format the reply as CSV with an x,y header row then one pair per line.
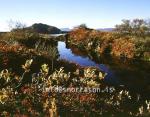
x,y
105,29
66,29
44,29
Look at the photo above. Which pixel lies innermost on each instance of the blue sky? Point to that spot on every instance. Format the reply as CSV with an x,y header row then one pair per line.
x,y
69,13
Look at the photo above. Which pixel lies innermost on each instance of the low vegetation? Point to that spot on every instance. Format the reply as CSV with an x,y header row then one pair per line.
x,y
37,98
131,39
38,87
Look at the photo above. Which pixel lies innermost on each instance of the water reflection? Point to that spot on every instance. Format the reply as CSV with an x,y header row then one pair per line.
x,y
132,74
67,54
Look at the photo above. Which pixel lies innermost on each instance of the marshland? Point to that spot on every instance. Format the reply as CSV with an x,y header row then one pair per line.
x,y
46,71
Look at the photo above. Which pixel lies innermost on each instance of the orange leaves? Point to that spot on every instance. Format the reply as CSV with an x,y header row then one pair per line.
x,y
79,34
104,42
10,48
87,97
123,47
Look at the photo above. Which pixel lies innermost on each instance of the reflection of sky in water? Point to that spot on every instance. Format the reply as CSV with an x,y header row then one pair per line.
x,y
84,61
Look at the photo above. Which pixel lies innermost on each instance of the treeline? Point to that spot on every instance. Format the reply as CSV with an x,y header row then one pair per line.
x,y
136,27
130,39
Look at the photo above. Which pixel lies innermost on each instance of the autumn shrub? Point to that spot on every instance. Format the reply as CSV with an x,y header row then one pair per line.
x,y
79,35
31,99
123,47
142,47
130,39
36,98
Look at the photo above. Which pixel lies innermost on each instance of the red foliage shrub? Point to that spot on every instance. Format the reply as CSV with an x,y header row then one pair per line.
x,y
79,34
125,47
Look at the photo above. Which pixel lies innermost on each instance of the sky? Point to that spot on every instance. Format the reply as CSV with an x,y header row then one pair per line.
x,y
70,13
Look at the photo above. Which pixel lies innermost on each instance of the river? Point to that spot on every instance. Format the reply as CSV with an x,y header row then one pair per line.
x,y
132,74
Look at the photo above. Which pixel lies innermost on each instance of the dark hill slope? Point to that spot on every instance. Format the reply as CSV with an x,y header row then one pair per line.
x,y
44,29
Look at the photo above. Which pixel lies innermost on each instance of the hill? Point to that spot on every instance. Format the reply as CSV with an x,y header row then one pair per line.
x,y
44,29
105,29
